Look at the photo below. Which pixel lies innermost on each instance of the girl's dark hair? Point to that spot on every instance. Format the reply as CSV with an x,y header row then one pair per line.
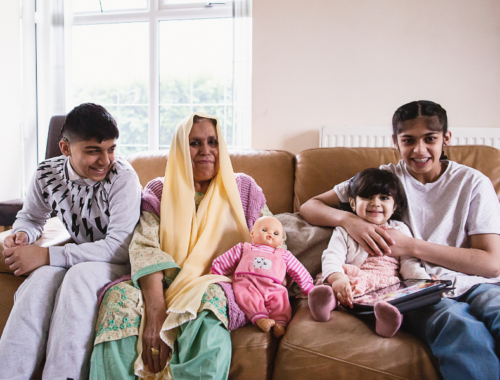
x,y
417,109
370,182
89,121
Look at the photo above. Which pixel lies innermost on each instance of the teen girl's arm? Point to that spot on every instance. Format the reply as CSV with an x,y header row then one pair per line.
x,y
482,259
322,210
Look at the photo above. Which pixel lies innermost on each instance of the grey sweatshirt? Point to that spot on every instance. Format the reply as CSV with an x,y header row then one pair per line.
x,y
99,216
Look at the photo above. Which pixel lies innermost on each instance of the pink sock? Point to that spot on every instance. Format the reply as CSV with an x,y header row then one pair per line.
x,y
321,302
388,319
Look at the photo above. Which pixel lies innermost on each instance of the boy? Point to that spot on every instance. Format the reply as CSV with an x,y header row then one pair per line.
x,y
97,197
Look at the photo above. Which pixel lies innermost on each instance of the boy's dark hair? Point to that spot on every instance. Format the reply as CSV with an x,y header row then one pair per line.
x,y
416,109
370,182
89,121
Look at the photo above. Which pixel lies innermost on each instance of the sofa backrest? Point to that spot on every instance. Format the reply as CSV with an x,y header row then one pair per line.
x,y
319,170
273,170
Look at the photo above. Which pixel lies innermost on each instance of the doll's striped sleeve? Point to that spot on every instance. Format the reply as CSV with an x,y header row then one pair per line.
x,y
226,263
298,272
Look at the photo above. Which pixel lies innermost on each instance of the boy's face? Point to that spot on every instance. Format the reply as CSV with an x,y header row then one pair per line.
x,y
267,231
89,158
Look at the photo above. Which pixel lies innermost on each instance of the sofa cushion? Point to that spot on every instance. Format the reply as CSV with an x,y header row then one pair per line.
x,y
253,354
346,347
273,170
319,170
306,242
8,286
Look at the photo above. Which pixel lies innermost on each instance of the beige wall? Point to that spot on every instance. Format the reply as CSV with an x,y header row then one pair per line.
x,y
10,101
353,62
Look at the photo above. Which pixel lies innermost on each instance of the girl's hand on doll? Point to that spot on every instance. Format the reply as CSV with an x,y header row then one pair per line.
x,y
342,289
374,239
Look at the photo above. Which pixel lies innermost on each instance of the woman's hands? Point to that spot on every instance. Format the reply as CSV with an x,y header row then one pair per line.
x,y
155,351
374,239
341,288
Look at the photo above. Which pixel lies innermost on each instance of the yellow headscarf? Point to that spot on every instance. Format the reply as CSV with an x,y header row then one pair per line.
x,y
194,238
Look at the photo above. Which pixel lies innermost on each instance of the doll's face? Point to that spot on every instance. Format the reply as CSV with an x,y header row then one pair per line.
x,y
267,231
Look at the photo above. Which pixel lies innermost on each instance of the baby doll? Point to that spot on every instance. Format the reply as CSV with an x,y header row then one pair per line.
x,y
259,270
376,196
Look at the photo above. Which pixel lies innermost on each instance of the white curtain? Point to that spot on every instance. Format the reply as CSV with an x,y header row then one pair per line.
x,y
54,25
242,87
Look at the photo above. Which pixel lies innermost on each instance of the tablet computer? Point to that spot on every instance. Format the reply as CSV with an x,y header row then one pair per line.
x,y
405,295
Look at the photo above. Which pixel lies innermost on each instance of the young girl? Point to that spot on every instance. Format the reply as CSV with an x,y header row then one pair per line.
x,y
376,196
454,214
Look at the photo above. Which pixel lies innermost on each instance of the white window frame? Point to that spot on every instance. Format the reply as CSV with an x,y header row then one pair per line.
x,y
157,11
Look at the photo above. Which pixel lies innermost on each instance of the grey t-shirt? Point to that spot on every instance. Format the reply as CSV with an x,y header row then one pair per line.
x,y
461,203
99,216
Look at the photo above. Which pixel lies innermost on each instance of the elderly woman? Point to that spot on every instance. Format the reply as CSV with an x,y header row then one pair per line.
x,y
172,319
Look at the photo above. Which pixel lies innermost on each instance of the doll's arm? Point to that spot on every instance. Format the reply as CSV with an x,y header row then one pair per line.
x,y
226,263
298,272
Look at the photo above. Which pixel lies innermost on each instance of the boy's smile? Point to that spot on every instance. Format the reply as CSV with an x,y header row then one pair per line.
x,y
89,158
420,144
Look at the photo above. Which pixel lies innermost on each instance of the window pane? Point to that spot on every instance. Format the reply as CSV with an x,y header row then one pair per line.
x,y
85,6
169,118
111,68
196,71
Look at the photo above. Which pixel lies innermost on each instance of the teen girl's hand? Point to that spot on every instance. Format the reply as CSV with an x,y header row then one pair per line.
x,y
402,243
22,259
19,238
374,239
341,288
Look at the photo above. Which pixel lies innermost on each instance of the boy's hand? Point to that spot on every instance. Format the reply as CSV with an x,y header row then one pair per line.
x,y
22,259
342,290
19,238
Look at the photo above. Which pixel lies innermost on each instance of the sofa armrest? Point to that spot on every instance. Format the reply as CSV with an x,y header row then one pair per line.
x,y
9,210
54,233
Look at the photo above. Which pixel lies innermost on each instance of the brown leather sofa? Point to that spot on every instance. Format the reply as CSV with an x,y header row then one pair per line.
x,y
346,347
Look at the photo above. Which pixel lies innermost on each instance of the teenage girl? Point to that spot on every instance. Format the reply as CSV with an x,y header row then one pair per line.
x,y
454,215
375,196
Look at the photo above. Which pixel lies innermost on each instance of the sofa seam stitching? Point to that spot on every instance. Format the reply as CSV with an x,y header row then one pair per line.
x,y
344,361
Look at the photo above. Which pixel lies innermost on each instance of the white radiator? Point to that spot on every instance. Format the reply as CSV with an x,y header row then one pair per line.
x,y
379,137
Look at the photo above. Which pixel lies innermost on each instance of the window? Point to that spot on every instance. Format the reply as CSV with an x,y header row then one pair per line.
x,y
152,64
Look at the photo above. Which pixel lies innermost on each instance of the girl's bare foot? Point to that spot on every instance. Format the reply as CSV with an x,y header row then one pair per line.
x,y
278,330
265,324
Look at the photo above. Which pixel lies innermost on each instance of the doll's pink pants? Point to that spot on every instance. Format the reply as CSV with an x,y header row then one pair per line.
x,y
261,297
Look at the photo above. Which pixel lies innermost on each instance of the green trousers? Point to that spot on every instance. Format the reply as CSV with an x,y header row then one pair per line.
x,y
202,351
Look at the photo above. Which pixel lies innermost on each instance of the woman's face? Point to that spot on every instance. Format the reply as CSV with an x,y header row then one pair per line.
x,y
204,149
420,144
